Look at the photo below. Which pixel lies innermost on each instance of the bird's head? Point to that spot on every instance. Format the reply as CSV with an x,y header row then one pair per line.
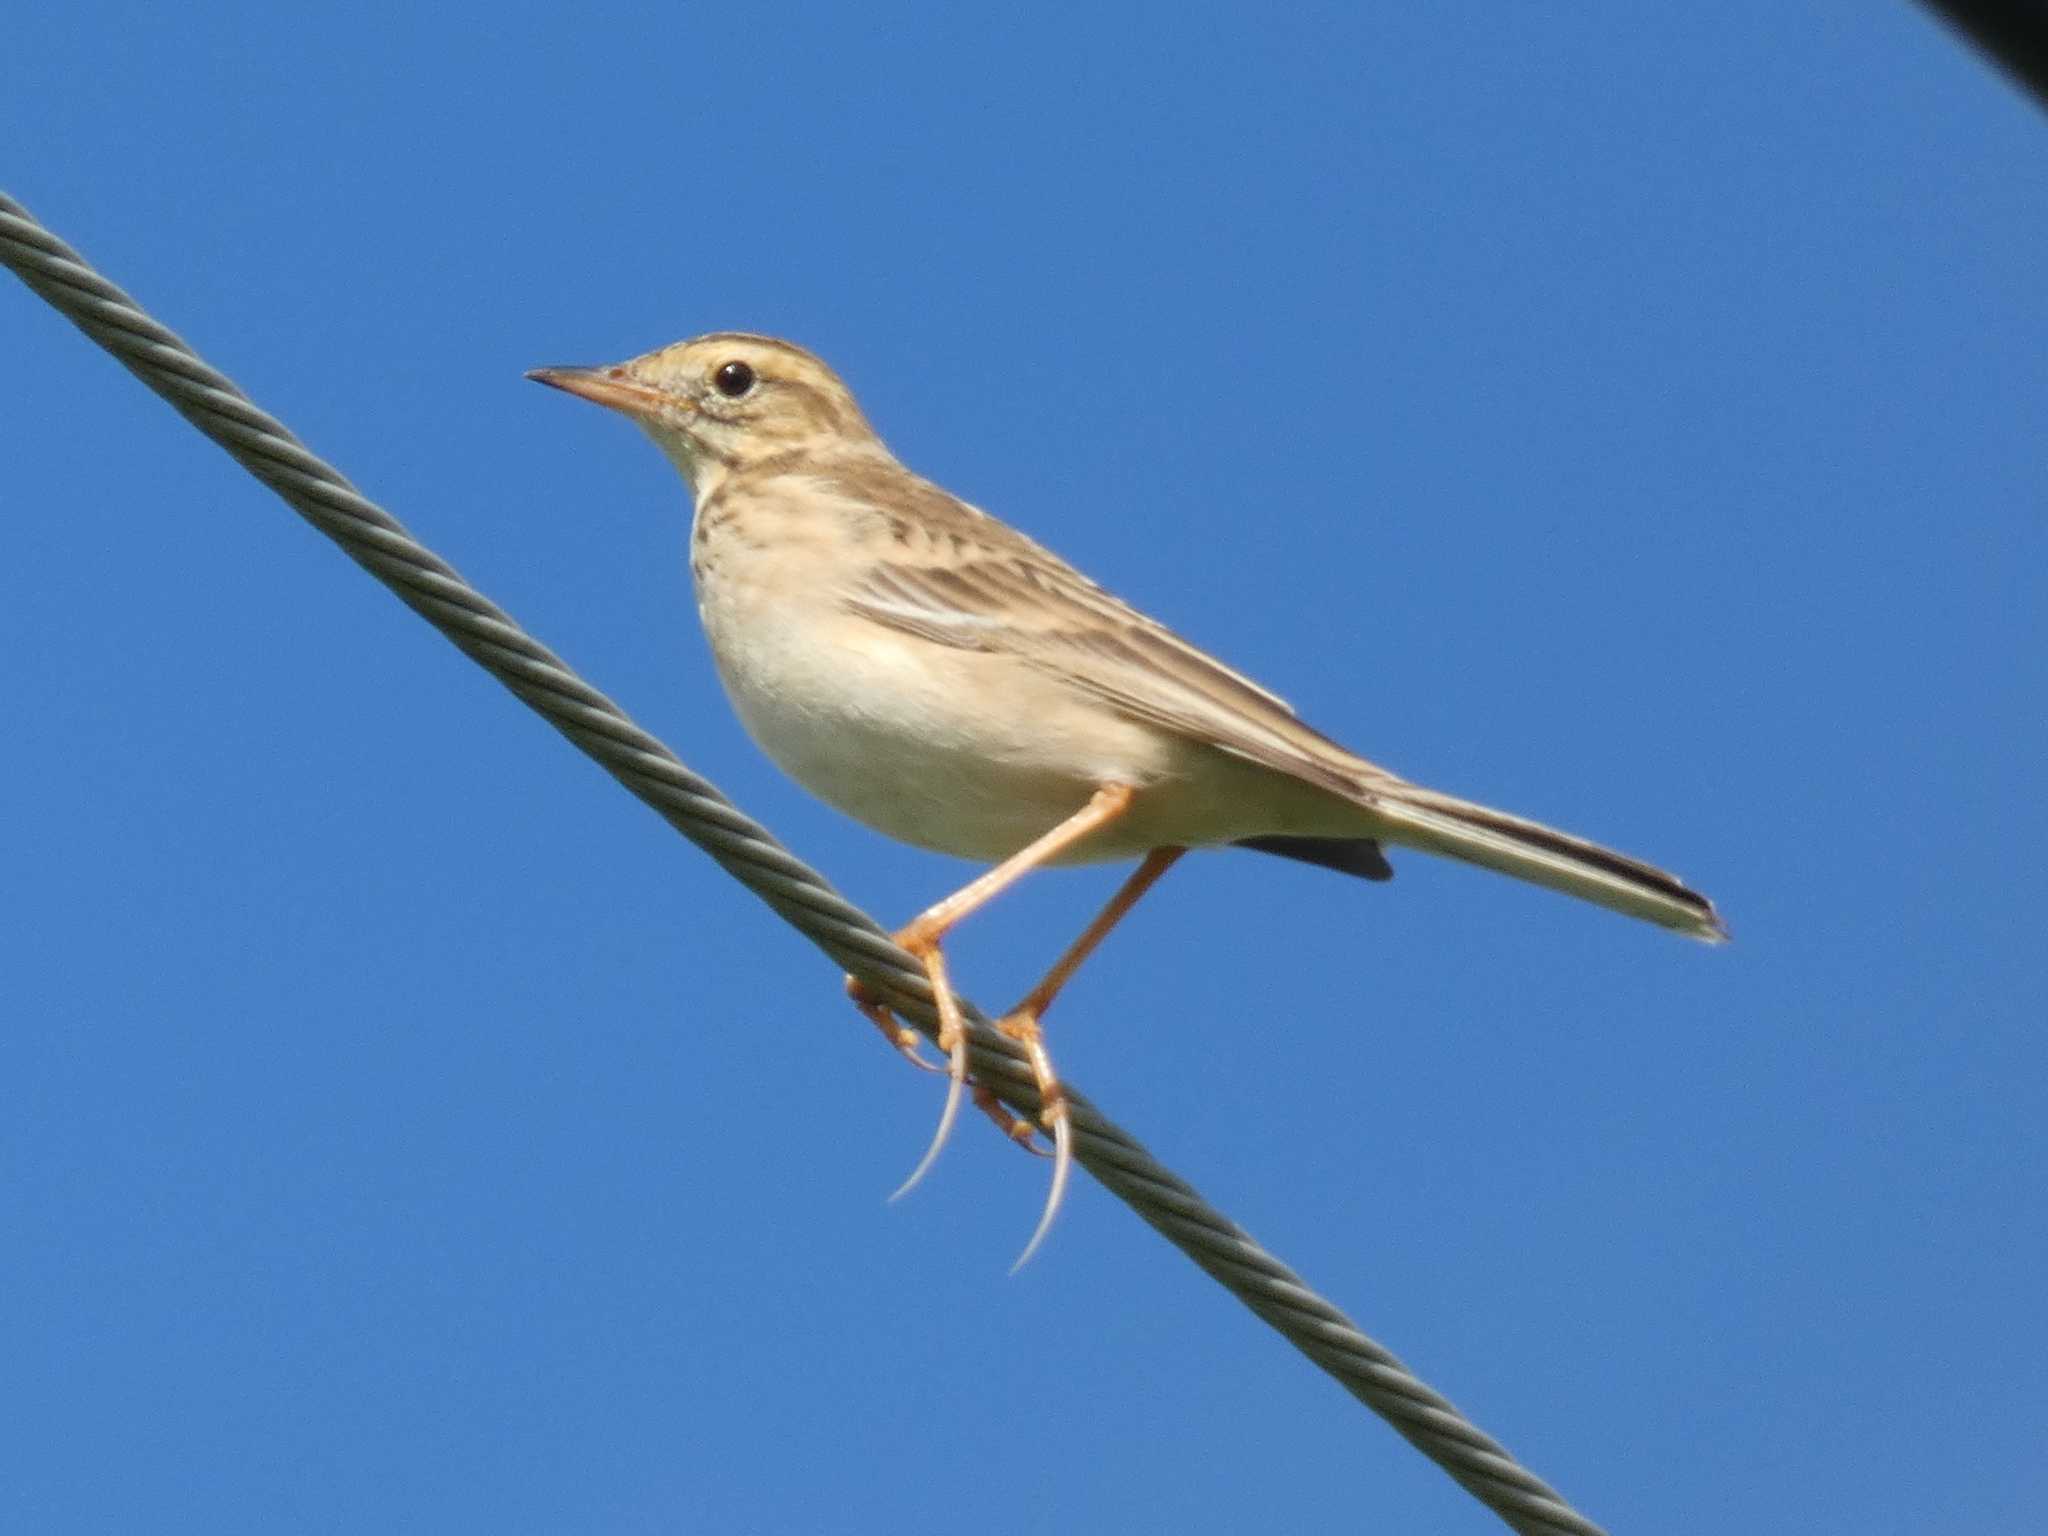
x,y
725,401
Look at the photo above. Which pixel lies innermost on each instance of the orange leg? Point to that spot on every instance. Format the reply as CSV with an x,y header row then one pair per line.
x,y
923,935
1021,1024
932,924
1143,878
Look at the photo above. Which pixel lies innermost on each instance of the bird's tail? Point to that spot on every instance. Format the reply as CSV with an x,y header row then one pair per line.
x,y
1437,823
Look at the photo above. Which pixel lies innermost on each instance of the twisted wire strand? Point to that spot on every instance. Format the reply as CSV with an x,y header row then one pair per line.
x,y
800,895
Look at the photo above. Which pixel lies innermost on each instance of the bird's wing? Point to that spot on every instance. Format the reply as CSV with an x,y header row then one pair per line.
x,y
956,577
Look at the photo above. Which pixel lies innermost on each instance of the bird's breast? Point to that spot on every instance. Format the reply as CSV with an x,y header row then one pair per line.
x,y
972,752
967,752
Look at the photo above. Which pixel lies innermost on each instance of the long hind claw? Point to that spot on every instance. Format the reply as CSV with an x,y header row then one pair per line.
x,y
1052,1114
1062,1167
952,1040
957,1072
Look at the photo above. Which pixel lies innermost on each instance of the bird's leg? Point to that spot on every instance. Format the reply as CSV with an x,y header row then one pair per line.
x,y
923,935
1021,1024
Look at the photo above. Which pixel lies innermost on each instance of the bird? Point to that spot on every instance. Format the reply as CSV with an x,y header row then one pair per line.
x,y
953,684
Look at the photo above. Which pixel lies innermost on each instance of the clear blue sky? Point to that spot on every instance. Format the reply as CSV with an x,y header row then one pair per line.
x,y
1628,418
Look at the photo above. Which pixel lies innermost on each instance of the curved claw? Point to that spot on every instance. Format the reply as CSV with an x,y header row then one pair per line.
x,y
1062,1165
957,1072
912,1050
908,1042
1016,1129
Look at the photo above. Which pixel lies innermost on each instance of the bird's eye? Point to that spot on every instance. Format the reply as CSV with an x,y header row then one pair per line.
x,y
733,379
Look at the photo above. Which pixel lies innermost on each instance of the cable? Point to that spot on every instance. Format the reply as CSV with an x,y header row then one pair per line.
x,y
429,586
2013,34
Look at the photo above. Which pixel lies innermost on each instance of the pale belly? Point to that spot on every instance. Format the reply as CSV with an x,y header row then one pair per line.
x,y
969,753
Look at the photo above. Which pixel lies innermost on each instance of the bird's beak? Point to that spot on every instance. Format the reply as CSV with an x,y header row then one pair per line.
x,y
607,386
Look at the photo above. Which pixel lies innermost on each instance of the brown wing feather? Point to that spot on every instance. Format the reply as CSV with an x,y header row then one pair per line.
x,y
957,577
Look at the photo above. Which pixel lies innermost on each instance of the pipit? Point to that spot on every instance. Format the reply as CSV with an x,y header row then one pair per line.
x,y
937,675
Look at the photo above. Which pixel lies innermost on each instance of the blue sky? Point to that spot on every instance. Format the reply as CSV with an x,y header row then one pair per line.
x,y
1627,418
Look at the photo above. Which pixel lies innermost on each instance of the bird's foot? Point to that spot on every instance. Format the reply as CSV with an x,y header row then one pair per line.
x,y
908,1042
952,1040
1023,1027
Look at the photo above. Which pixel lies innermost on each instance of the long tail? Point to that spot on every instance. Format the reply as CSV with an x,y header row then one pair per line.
x,y
1438,823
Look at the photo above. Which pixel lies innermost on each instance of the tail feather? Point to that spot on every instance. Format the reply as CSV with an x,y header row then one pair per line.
x,y
1439,823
